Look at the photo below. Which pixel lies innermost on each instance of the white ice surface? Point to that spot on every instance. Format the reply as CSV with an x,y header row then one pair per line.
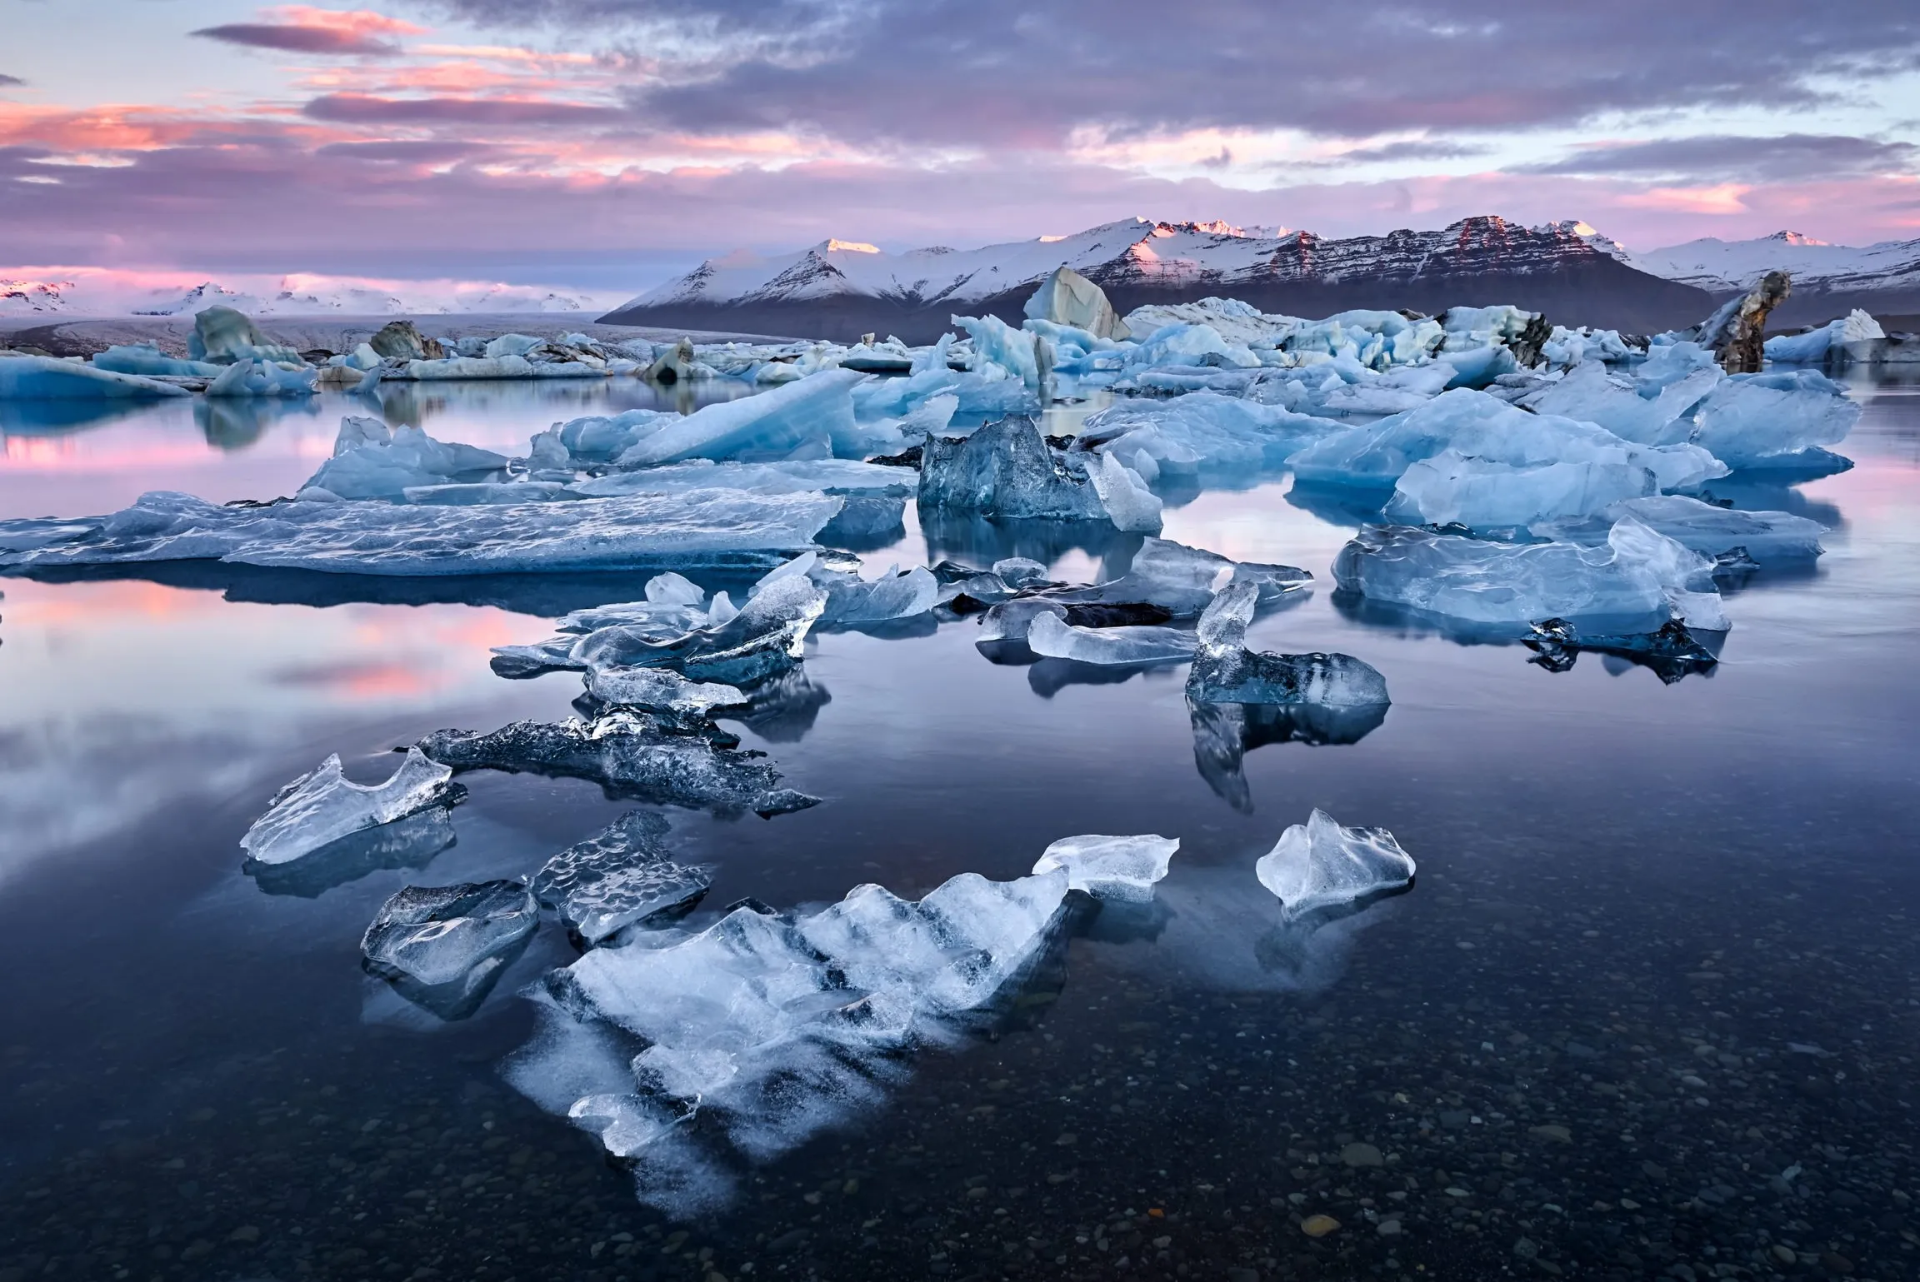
x,y
1122,869
1321,865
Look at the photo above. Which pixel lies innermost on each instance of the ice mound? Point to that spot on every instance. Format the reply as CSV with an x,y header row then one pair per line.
x,y
325,806
225,336
1850,337
1225,671
798,421
1320,866
444,948
619,877
628,754
371,462
1703,527
1068,298
1630,583
1051,636
704,528
1771,419
1452,489
1120,869
1005,470
45,378
1592,394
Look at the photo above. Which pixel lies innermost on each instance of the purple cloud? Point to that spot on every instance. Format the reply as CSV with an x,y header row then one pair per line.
x,y
10,80
410,153
299,38
1739,158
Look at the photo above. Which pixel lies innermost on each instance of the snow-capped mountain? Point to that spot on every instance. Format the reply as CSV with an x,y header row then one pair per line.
x,y
102,292
1726,265
839,289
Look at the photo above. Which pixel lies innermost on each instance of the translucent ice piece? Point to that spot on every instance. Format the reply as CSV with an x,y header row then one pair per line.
x,y
620,876
1005,470
1052,636
1704,527
1768,420
1224,671
1123,869
409,842
367,466
1132,506
797,421
661,690
1320,865
436,936
326,805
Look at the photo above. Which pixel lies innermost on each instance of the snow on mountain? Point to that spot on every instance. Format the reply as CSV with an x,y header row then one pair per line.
x,y
1723,266
839,287
103,292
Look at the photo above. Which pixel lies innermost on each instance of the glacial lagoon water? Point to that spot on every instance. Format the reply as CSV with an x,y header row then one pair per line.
x,y
1649,1010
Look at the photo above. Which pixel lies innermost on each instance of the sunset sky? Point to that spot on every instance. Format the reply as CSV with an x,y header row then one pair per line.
x,y
607,142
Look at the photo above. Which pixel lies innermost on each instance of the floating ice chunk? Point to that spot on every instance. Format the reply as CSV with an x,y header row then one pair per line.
x,y
1672,651
661,690
1133,507
263,378
1235,321
996,343
371,462
325,806
224,336
1005,470
619,877
1850,337
1183,580
797,421
1320,865
1053,637
1591,394
1068,298
147,360
44,378
409,842
1703,527
1201,434
1769,420
1183,343
1122,869
1012,620
1020,572
1453,489
1504,586
628,754
1481,427
437,936
828,476
1225,671
1403,387
497,367
712,528
764,637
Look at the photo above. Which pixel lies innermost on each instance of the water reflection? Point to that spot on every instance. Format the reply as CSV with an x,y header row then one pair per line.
x,y
1224,733
410,843
238,422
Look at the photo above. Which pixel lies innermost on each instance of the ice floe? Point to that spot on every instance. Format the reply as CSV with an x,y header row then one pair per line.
x,y
1321,866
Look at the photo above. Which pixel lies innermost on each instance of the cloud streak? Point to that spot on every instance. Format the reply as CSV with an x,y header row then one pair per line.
x,y
1741,158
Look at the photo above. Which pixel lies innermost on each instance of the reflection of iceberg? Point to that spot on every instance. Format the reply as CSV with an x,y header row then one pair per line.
x,y
237,422
411,842
1223,733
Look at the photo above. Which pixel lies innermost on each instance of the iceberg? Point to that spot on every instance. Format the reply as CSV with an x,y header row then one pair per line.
x,y
629,755
1005,470
827,476
371,462
1320,867
436,936
1132,507
1480,427
620,877
1068,298
1453,489
1225,671
1120,869
1051,636
1705,528
800,420
149,361
1632,584
325,806
701,528
263,378
1201,434
224,336
45,378
1854,336
1773,419
1235,321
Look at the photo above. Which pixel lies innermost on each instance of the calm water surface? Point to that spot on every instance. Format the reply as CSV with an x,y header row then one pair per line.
x,y
1651,1010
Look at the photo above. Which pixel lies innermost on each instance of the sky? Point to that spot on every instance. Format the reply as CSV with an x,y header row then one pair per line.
x,y
611,143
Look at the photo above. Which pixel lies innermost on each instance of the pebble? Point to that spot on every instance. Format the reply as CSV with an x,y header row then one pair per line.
x,y
1319,1225
1552,1131
1361,1155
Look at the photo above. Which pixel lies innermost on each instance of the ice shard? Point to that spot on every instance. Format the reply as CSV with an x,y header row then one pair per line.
x,y
444,947
619,877
409,842
1121,869
1005,470
325,806
1320,866
1225,671
1052,636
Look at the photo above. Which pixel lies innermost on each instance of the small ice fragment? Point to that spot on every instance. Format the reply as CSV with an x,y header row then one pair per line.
x,y
1051,636
1322,865
436,936
1123,869
326,805
1133,507
661,690
1224,671
620,876
1019,572
674,589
